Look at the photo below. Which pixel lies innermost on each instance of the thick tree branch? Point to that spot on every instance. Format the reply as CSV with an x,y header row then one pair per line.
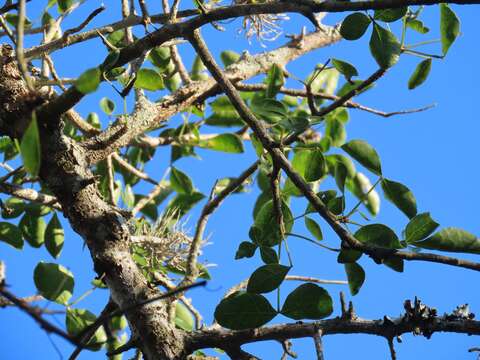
x,y
386,328
183,98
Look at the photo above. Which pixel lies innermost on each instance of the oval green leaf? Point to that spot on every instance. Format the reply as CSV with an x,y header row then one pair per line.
x,y
267,278
419,227
107,105
390,15
354,26
355,276
11,234
378,235
149,79
33,229
314,228
365,154
308,301
53,282
183,317
453,240
345,68
384,47
246,249
88,82
401,196
181,182
420,74
30,148
449,27
78,320
54,236
243,310
229,143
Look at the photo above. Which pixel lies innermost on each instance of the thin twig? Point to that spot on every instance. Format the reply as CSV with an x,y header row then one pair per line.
x,y
22,65
208,209
35,314
7,30
319,95
82,26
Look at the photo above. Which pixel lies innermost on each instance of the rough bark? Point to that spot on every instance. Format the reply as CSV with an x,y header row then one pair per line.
x,y
64,171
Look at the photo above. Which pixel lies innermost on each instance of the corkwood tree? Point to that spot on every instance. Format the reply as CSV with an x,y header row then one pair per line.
x,y
165,92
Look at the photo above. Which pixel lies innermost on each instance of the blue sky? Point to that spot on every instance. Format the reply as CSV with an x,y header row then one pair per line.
x,y
433,153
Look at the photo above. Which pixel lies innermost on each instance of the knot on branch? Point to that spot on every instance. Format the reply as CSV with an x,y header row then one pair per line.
x,y
421,315
16,101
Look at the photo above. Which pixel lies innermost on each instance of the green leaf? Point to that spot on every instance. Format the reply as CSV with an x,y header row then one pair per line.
x,y
88,82
453,240
128,196
310,164
149,79
10,234
384,47
266,221
183,203
378,235
243,310
333,160
417,26
335,130
229,143
341,174
345,68
360,185
390,15
365,154
420,74
54,236
181,182
449,27
348,256
267,278
160,57
53,282
274,80
354,26
64,5
33,229
355,276
268,255
78,320
228,57
419,227
394,263
314,228
30,148
308,301
224,114
183,317
401,196
13,207
269,110
246,249
107,105
35,209
94,120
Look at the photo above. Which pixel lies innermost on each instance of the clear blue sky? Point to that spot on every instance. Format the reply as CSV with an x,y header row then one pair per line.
x,y
433,153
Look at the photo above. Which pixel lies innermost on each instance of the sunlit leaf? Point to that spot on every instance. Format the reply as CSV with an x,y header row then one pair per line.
x,y
453,240
10,234
419,227
420,74
54,236
53,282
365,154
384,47
449,27
401,196
30,148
